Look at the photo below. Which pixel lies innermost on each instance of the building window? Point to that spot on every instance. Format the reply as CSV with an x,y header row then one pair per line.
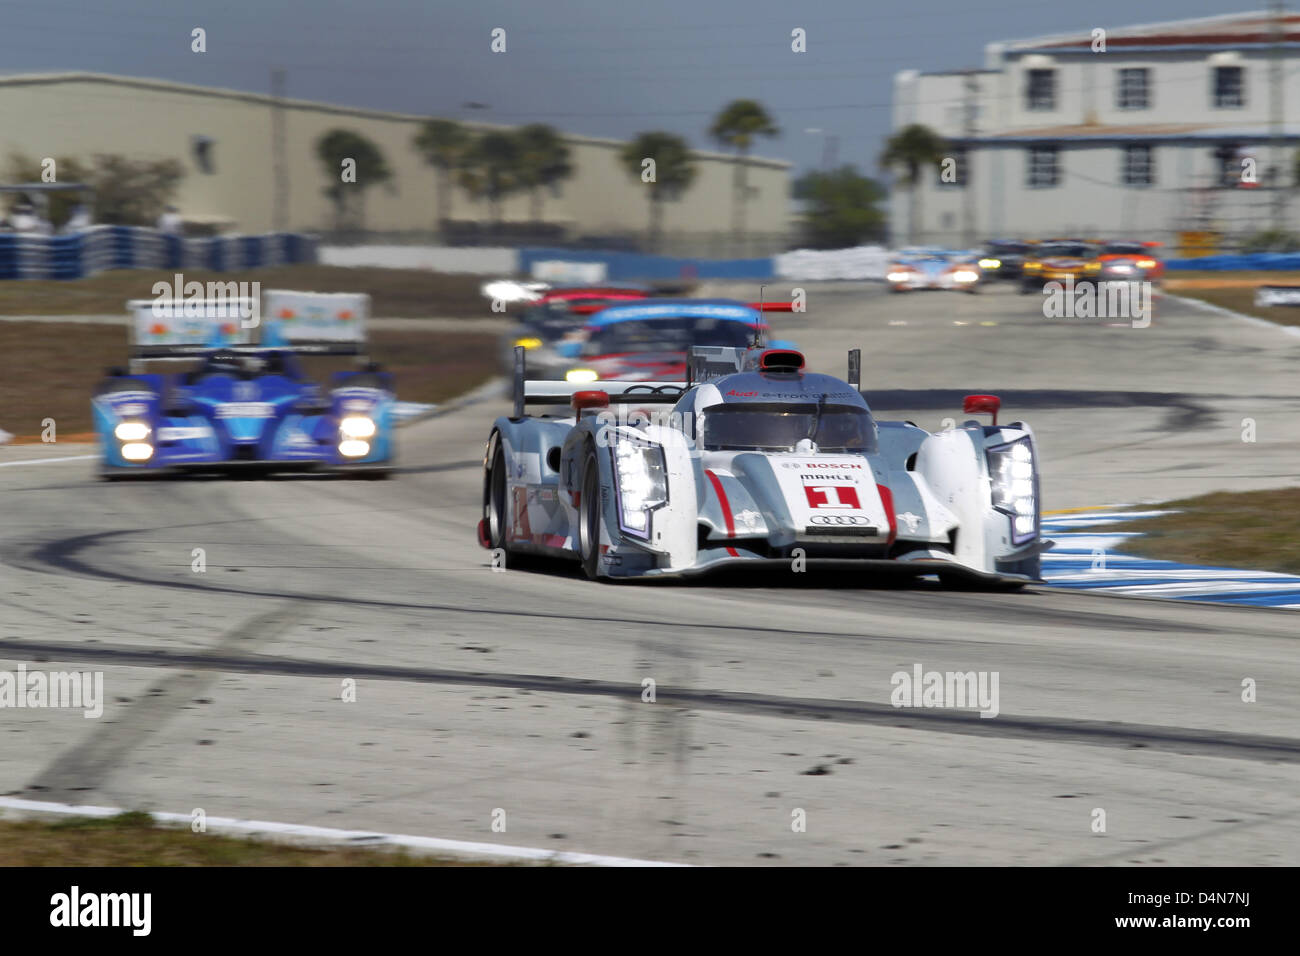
x,y
1040,90
1235,166
953,175
1139,166
1044,169
1133,91
1229,87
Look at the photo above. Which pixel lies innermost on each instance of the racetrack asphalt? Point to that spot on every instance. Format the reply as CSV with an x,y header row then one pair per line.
x,y
522,691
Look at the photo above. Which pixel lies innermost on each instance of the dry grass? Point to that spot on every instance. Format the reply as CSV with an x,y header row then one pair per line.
x,y
48,370
394,293
1258,530
132,839
1236,291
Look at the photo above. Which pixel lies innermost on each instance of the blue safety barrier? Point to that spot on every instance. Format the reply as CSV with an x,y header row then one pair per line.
x,y
1255,261
100,248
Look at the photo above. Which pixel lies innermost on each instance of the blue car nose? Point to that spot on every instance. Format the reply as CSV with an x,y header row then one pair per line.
x,y
245,430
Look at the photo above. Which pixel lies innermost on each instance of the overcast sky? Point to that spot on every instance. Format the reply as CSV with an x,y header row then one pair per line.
x,y
597,67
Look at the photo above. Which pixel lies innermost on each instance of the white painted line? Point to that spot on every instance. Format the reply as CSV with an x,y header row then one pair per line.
x,y
1220,310
349,838
45,461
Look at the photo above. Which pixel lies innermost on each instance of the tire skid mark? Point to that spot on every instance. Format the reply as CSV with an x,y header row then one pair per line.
x,y
1187,741
63,555
90,764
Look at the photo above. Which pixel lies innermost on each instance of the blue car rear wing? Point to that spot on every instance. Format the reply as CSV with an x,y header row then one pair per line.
x,y
174,330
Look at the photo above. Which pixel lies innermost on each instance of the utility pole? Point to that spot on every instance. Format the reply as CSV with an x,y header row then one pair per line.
x,y
279,170
1281,178
971,85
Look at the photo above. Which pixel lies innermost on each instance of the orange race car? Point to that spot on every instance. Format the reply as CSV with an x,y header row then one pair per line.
x,y
1056,260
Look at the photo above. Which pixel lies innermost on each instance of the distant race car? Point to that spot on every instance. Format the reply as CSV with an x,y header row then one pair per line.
x,y
754,461
649,340
243,406
559,313
1004,258
946,269
1126,262
1056,260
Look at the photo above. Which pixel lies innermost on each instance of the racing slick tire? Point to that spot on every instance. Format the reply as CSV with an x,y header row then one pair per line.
x,y
589,516
495,504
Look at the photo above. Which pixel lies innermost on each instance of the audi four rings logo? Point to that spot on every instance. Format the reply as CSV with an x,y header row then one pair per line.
x,y
839,519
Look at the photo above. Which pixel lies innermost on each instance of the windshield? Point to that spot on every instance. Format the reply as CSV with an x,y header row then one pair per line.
x,y
1008,248
775,426
1070,250
667,335
1125,249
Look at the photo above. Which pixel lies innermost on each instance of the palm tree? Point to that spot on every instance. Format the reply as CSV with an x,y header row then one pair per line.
x,y
674,171
911,149
491,170
333,149
443,144
543,161
737,126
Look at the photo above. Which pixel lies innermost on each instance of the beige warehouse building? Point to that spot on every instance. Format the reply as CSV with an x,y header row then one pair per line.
x,y
80,114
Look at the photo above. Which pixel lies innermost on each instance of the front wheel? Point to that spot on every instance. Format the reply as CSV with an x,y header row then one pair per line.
x,y
494,502
589,517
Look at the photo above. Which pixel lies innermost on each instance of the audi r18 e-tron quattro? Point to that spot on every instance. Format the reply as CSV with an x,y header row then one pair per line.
x,y
755,461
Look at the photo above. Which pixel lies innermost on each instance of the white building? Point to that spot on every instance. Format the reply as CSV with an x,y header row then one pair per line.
x,y
1136,132
245,155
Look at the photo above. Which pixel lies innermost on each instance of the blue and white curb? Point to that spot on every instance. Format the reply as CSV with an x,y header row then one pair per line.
x,y
1086,560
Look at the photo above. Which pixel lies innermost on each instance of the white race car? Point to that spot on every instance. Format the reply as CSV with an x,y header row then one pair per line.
x,y
934,269
755,461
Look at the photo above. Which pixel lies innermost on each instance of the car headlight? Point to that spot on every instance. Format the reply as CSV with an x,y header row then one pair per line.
x,y
898,276
990,263
354,448
131,431
137,451
642,484
357,426
529,343
1092,267
965,275
1146,263
1033,266
580,376
1014,485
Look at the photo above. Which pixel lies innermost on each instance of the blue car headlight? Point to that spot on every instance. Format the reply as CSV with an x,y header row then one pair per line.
x,y
1013,477
357,426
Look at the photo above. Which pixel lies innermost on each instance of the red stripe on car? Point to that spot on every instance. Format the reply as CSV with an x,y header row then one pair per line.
x,y
887,499
726,510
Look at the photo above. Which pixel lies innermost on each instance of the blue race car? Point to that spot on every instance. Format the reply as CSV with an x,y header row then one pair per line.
x,y
242,406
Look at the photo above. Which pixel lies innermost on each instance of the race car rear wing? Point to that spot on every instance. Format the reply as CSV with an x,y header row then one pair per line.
x,y
304,322
537,392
